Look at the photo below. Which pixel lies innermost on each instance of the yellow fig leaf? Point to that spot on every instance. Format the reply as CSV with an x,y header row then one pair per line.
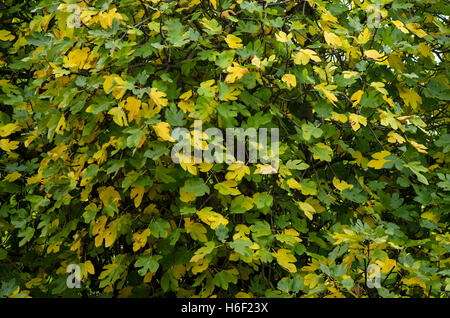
x,y
379,86
237,171
158,97
399,25
415,281
235,73
233,41
373,54
304,56
332,39
227,187
283,37
133,106
290,80
356,121
119,116
415,28
162,130
307,208
378,161
137,193
339,117
341,185
286,260
356,97
213,219
108,193
393,138
140,239
419,147
5,35
196,230
12,176
8,129
7,145
410,97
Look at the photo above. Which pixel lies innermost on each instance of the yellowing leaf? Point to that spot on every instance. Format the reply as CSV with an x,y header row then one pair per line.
x,y
373,54
110,233
283,37
196,230
341,185
235,73
106,18
332,39
108,193
158,97
290,80
386,265
7,145
356,121
119,116
12,177
410,97
379,160
205,167
285,259
233,41
339,117
132,105
393,137
114,83
425,50
200,266
61,126
237,171
400,26
356,97
431,216
303,57
419,147
137,193
360,159
186,196
415,28
214,3
188,165
256,61
364,37
350,74
379,86
265,169
211,218
415,281
307,208
292,183
140,239
326,89
80,58
5,35
186,95
162,129
8,129
227,187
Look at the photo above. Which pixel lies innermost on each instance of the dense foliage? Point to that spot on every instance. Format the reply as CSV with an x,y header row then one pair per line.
x,y
90,90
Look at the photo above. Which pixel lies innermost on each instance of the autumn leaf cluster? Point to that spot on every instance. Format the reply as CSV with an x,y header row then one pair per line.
x,y
91,90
